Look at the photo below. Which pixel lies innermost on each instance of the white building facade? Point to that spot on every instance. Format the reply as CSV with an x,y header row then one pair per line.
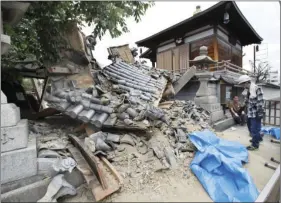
x,y
274,77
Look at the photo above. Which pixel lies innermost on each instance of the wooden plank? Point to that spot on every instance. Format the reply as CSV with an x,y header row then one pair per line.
x,y
163,81
166,105
45,113
184,57
90,158
168,61
43,93
176,59
36,88
275,113
159,61
97,190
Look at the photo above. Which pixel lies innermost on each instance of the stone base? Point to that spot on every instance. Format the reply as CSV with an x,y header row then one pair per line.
x,y
10,115
20,163
14,137
45,166
36,190
216,116
224,124
205,100
211,107
7,187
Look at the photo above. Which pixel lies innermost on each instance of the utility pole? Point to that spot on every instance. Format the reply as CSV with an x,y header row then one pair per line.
x,y
254,59
256,49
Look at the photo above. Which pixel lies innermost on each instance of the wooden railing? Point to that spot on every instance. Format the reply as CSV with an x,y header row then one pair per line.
x,y
226,65
272,113
222,65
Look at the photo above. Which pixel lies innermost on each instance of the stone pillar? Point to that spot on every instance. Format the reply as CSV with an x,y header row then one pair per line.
x,y
18,150
5,39
206,96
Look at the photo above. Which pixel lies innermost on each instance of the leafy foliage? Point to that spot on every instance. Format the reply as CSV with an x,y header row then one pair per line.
x,y
40,32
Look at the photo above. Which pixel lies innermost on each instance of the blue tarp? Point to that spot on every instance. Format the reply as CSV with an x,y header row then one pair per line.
x,y
218,166
273,131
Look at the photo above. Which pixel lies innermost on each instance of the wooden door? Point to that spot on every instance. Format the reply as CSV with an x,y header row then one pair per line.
x,y
176,59
183,57
165,60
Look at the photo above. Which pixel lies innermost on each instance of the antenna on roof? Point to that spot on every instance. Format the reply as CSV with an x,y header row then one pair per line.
x,y
198,9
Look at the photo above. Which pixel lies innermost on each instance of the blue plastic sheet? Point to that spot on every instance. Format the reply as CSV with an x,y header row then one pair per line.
x,y
273,131
218,166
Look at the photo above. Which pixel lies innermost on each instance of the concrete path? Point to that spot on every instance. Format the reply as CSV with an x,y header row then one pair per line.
x,y
257,159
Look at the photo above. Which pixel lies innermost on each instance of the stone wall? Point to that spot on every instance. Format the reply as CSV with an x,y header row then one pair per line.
x,y
188,92
18,149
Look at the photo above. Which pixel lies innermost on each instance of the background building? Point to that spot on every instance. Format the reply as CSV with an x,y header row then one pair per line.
x,y
274,77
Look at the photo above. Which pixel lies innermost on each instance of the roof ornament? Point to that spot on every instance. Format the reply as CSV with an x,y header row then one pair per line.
x,y
198,10
226,15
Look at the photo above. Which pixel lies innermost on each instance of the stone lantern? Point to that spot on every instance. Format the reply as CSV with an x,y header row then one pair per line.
x,y
202,61
206,96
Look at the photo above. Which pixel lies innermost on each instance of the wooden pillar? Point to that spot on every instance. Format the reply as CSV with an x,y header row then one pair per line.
x,y
216,50
153,62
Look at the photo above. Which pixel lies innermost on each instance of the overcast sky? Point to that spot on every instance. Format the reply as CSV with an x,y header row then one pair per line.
x,y
263,16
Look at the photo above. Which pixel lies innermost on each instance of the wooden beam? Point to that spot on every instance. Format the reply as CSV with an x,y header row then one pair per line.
x,y
42,95
36,88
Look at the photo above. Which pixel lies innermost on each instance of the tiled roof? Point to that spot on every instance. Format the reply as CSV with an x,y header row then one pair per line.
x,y
121,92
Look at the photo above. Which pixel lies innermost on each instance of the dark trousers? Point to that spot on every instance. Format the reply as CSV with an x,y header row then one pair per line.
x,y
249,126
240,119
254,125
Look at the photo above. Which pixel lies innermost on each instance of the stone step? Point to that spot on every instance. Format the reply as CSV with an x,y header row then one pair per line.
x,y
10,115
180,83
36,190
224,124
14,137
7,187
19,163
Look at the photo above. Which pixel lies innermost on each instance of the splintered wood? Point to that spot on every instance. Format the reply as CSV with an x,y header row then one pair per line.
x,y
101,177
166,105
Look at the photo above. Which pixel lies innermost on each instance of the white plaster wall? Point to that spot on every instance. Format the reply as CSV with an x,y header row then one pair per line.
x,y
166,47
199,36
270,93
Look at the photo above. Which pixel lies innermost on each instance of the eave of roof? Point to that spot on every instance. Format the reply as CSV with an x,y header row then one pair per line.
x,y
269,85
146,53
146,41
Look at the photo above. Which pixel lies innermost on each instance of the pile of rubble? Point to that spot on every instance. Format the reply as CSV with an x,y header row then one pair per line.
x,y
127,96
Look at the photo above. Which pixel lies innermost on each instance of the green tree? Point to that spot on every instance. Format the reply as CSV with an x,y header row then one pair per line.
x,y
40,32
